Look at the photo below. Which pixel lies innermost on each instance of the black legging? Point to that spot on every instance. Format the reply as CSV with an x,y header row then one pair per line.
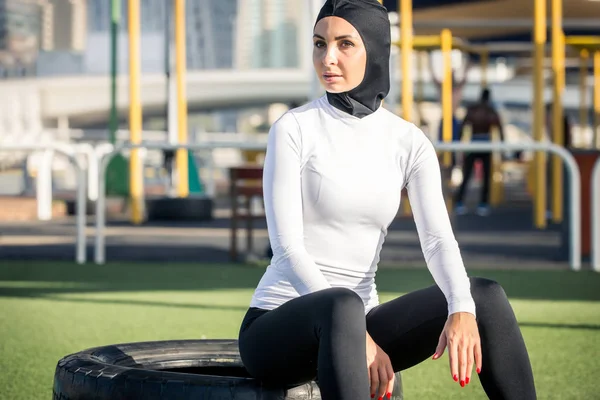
x,y
322,335
468,164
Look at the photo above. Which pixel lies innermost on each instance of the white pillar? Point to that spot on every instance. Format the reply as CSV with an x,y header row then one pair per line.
x,y
90,162
44,186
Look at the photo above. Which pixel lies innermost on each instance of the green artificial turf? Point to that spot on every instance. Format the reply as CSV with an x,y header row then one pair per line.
x,y
49,310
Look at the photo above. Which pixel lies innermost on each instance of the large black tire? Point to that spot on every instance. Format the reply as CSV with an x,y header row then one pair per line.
x,y
191,208
181,369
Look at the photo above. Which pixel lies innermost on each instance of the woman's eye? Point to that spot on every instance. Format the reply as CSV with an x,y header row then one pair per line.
x,y
319,44
347,43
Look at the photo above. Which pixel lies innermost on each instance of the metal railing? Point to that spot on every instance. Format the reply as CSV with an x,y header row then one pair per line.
x,y
69,153
100,245
574,182
596,216
44,175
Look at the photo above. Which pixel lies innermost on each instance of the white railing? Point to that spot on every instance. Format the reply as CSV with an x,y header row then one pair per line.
x,y
596,217
100,245
69,152
44,175
574,182
98,159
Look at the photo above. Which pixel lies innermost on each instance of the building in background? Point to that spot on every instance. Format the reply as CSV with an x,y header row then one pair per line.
x,y
42,37
20,29
63,37
63,25
267,33
152,37
210,33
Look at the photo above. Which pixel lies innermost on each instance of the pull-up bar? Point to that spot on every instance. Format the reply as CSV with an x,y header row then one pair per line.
x,y
587,46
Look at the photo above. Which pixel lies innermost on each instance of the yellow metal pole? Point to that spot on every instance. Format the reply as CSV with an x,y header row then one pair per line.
x,y
136,179
496,181
446,38
538,112
583,65
406,39
420,82
406,48
181,159
597,97
485,60
558,68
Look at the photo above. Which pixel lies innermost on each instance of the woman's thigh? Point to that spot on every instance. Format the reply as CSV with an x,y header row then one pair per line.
x,y
283,344
408,328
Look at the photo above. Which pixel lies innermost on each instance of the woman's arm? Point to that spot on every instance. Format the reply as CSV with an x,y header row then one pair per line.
x,y
283,206
438,243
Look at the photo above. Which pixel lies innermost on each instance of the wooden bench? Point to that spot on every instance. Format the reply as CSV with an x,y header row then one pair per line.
x,y
246,182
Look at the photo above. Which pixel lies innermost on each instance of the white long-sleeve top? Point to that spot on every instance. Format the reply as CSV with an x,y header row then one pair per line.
x,y
332,185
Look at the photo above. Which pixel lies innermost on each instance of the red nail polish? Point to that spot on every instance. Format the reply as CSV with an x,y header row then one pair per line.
x,y
372,396
380,397
462,383
389,395
467,380
455,377
478,370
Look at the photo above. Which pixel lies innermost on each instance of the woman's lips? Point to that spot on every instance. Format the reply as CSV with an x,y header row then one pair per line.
x,y
331,78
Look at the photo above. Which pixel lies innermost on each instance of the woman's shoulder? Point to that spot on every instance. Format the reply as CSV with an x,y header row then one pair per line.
x,y
296,115
403,129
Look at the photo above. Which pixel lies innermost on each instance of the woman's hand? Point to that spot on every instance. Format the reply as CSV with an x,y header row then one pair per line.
x,y
461,336
381,373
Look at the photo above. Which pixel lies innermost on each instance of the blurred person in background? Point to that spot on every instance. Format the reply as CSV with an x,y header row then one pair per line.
x,y
482,117
333,174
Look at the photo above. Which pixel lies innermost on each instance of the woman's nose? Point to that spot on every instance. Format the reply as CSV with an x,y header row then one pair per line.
x,y
330,56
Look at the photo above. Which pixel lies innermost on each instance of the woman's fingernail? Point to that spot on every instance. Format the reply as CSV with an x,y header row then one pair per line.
x,y
434,356
389,395
380,397
467,380
455,377
372,396
462,383
478,370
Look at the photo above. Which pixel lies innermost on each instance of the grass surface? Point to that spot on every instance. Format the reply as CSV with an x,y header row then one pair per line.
x,y
49,310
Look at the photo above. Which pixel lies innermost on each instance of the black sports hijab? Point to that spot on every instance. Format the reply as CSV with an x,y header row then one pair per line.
x,y
372,23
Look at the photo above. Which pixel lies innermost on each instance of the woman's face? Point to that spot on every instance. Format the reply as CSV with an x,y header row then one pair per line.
x,y
339,55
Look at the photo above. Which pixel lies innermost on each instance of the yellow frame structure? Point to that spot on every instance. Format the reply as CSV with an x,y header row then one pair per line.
x,y
539,163
446,42
558,73
559,42
588,47
136,180
181,157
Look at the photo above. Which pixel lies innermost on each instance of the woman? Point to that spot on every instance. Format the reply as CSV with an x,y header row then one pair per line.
x,y
333,174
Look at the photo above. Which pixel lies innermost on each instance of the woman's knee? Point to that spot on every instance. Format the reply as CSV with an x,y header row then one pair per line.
x,y
487,293
341,304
